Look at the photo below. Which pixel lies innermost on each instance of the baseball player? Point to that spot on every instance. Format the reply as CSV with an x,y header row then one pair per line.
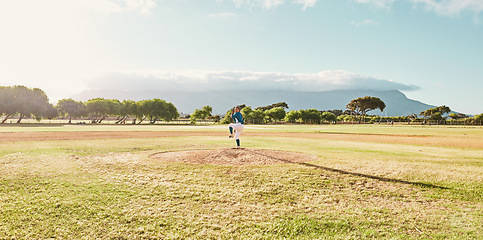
x,y
237,127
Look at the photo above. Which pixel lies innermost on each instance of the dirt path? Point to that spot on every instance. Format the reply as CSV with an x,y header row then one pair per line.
x,y
462,142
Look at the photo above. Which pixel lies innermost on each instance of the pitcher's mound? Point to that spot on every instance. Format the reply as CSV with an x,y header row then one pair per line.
x,y
233,156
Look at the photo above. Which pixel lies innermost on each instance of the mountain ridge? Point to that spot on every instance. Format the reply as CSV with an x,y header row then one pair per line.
x,y
397,104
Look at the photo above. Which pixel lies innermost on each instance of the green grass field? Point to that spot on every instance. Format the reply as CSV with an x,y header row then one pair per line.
x,y
111,188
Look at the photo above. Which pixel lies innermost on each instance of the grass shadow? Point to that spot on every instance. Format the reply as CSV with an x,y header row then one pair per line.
x,y
384,179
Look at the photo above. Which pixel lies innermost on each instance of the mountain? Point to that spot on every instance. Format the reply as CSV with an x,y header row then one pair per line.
x,y
397,104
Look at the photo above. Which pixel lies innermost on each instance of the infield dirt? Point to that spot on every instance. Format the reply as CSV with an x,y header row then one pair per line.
x,y
234,156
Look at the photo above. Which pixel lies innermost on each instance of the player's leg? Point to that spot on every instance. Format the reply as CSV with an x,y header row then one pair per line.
x,y
230,127
239,129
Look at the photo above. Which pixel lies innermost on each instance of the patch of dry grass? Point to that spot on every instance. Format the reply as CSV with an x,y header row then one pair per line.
x,y
113,189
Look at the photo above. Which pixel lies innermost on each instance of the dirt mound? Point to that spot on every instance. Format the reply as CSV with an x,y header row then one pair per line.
x,y
233,156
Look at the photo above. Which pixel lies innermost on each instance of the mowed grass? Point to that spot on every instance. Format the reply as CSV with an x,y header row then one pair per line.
x,y
111,188
374,129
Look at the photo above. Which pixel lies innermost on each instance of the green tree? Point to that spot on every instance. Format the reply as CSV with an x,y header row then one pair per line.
x,y
337,112
72,108
50,112
246,113
157,109
329,117
140,111
40,106
275,105
257,116
436,113
310,116
172,112
276,113
413,117
8,102
197,114
347,118
453,116
127,109
361,106
292,116
215,118
456,116
253,116
100,108
436,116
478,119
25,102
203,113
153,109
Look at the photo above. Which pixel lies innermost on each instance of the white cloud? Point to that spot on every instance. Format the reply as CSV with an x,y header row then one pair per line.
x,y
270,4
198,80
266,4
442,7
384,4
143,6
366,22
306,3
452,7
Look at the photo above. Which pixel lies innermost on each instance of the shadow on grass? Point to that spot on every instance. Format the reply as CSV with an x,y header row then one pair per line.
x,y
419,184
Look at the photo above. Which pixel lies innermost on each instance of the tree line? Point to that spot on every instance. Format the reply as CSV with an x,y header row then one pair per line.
x,y
357,108
23,102
356,112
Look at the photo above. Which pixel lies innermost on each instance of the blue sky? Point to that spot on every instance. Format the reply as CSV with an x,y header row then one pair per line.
x,y
431,50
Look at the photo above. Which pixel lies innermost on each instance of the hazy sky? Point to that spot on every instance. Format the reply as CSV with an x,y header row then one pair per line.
x,y
432,50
